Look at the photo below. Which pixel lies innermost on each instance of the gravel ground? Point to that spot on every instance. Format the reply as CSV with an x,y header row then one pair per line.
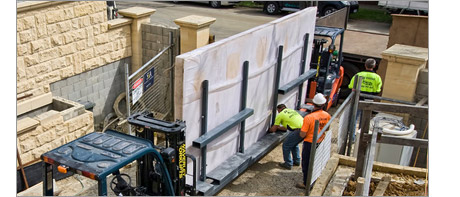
x,y
266,178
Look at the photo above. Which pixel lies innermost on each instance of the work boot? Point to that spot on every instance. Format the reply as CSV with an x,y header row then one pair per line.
x,y
285,166
296,164
300,185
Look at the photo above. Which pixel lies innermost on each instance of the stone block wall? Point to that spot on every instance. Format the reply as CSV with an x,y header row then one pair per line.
x,y
57,40
101,86
154,39
63,123
422,85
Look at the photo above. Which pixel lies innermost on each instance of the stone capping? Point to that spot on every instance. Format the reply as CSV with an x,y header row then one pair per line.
x,y
408,52
32,5
119,22
71,112
195,21
136,12
34,103
26,124
407,15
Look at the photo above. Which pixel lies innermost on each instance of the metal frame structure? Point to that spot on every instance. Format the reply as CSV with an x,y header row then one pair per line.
x,y
236,164
208,136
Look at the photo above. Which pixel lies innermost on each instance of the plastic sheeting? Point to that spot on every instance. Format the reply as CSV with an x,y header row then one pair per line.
x,y
221,63
323,153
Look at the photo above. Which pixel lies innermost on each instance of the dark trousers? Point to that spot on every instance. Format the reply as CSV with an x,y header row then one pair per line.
x,y
305,160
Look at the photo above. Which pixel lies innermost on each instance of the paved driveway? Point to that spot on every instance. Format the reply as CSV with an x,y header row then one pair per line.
x,y
229,20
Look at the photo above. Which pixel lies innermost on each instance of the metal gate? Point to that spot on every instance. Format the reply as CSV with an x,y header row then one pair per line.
x,y
150,88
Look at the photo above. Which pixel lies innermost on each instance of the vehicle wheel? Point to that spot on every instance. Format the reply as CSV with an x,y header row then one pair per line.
x,y
271,8
328,10
349,71
215,4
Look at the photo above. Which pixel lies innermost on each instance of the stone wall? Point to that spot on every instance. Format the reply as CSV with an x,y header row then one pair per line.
x,y
57,40
154,39
422,85
101,86
62,43
64,122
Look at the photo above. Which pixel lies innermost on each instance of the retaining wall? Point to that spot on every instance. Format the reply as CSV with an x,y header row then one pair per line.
x,y
101,86
57,40
62,122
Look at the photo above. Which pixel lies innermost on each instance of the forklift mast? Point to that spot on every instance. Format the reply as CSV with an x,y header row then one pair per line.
x,y
172,151
327,61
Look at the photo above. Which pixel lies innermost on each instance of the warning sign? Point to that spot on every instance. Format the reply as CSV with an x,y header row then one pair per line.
x,y
137,90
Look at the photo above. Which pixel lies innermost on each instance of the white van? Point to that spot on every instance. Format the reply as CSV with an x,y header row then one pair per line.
x,y
215,4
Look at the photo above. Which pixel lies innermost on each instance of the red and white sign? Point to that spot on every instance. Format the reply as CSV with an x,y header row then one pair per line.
x,y
137,90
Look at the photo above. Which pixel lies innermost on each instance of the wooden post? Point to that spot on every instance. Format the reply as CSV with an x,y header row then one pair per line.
x,y
382,186
326,175
360,161
353,111
22,168
359,186
370,161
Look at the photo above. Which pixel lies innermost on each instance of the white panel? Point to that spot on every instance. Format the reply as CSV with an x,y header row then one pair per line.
x,y
221,63
323,153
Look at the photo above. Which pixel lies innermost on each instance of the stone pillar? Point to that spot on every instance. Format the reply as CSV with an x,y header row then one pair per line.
x,y
404,64
139,15
194,32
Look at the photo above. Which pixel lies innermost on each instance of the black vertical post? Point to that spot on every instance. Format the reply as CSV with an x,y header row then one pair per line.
x,y
277,82
102,187
204,124
354,108
302,67
47,179
311,161
244,95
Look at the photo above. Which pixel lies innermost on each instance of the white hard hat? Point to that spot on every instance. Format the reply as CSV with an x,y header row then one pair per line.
x,y
319,99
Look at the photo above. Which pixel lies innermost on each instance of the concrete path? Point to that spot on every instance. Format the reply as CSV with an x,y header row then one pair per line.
x,y
369,26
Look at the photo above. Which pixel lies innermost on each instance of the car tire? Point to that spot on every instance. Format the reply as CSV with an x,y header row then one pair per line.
x,y
349,71
271,8
215,4
328,10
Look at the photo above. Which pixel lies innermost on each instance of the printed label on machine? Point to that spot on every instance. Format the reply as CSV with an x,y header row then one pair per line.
x,y
137,90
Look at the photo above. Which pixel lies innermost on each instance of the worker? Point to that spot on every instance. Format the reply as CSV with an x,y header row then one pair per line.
x,y
371,84
307,130
292,121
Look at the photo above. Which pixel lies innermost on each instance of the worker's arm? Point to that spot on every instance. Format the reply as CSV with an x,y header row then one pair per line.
x,y
304,129
276,127
302,134
277,124
350,85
